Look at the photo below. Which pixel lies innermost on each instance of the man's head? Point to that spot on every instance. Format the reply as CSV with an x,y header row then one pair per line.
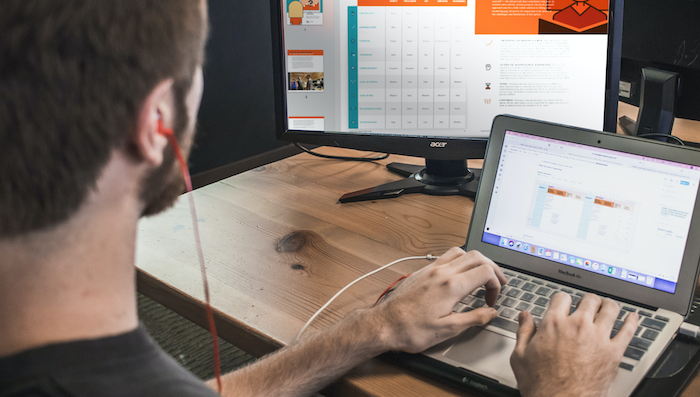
x,y
74,79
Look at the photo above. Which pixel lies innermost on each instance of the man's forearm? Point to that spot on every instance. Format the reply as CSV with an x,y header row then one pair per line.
x,y
313,363
416,316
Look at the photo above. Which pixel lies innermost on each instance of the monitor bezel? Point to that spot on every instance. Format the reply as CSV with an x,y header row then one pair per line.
x,y
454,148
678,302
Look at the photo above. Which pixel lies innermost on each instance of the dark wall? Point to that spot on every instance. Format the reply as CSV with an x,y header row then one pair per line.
x,y
236,119
663,34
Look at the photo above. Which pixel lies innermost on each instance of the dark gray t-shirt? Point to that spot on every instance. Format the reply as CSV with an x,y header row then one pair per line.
x,y
130,365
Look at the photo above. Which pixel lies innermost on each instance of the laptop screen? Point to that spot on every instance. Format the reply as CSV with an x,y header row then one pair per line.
x,y
616,214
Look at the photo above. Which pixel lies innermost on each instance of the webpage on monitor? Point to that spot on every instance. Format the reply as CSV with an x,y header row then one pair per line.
x,y
443,67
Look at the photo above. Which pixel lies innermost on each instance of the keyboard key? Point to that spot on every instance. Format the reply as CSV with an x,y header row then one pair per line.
x,y
538,321
553,286
527,297
478,303
626,366
496,307
537,311
501,322
513,293
468,300
509,302
459,306
575,300
538,282
522,306
618,324
572,309
529,287
515,282
568,291
643,313
544,291
621,314
509,273
629,309
613,333
661,318
653,324
507,313
634,354
480,293
639,329
542,301
640,343
579,294
520,276
650,334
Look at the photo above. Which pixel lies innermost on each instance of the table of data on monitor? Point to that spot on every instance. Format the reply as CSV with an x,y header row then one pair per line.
x,y
407,67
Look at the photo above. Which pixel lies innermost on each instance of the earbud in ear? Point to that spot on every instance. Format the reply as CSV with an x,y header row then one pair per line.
x,y
162,130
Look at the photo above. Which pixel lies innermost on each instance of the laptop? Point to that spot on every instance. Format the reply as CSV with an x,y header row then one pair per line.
x,y
573,210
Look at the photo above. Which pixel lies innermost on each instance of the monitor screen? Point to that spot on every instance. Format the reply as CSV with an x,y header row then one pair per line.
x,y
360,69
629,222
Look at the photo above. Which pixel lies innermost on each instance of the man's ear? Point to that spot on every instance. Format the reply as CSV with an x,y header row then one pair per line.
x,y
148,143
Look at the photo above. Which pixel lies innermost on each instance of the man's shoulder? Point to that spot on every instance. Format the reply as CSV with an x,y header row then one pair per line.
x,y
126,365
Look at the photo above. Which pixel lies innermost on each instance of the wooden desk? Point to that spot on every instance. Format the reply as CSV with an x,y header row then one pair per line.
x,y
278,245
687,130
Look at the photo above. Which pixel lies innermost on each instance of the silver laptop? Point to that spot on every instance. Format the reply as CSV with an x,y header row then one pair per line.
x,y
566,209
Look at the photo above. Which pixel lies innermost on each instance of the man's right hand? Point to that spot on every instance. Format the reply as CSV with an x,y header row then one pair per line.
x,y
419,313
571,355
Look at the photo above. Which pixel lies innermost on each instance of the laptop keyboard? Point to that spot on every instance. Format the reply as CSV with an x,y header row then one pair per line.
x,y
526,293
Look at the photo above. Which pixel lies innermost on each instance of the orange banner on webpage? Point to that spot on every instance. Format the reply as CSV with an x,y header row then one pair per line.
x,y
304,52
408,3
541,16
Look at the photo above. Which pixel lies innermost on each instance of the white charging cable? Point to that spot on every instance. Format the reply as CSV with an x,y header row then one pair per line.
x,y
410,258
690,330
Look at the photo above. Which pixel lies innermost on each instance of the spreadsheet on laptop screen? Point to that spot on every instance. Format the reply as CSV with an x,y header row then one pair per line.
x,y
617,214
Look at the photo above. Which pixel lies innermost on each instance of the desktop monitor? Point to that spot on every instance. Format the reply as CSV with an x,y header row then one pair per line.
x,y
660,69
426,77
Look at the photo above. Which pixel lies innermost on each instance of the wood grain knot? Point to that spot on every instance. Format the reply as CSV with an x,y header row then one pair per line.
x,y
298,267
296,241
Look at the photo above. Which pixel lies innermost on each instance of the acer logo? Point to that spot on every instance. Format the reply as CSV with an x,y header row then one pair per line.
x,y
564,272
438,144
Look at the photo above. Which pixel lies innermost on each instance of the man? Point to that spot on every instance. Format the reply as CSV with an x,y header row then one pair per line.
x,y
83,87
309,82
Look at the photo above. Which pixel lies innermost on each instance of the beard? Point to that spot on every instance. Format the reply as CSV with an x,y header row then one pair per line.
x,y
161,188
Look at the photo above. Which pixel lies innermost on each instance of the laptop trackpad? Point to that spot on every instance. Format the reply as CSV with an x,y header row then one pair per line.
x,y
485,352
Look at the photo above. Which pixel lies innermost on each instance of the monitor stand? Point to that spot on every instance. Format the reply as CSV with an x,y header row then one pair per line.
x,y
657,105
438,178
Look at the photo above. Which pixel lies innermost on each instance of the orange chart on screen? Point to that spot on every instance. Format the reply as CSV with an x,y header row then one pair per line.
x,y
304,52
541,16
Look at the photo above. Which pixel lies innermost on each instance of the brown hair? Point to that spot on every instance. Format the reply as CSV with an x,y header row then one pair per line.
x,y
73,75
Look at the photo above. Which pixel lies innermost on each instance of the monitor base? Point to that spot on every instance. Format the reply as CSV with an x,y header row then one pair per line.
x,y
431,179
628,125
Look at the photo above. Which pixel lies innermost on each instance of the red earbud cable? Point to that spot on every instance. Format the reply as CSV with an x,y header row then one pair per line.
x,y
168,133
